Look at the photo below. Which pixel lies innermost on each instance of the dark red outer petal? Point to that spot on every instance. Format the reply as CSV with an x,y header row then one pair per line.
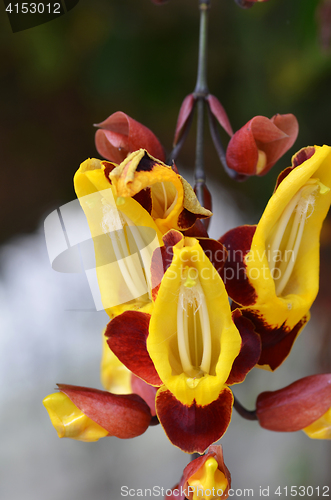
x,y
274,150
194,428
145,391
242,152
127,335
296,406
112,146
144,198
162,258
238,242
276,342
122,131
214,451
220,114
123,416
186,219
215,251
198,230
184,114
301,156
250,349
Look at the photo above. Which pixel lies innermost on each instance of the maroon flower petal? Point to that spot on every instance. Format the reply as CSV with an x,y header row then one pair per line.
x,y
276,342
185,112
301,156
220,114
238,242
194,428
123,416
250,350
120,135
162,258
214,451
296,406
145,391
273,137
198,230
215,251
127,335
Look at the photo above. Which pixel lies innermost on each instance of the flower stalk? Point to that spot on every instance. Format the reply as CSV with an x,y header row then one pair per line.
x,y
200,93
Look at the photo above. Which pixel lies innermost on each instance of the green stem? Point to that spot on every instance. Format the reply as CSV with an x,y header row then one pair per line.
x,y
201,91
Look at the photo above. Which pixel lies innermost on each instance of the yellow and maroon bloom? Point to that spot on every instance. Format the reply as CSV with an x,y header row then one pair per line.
x,y
205,478
128,208
89,414
189,344
304,405
169,199
259,144
119,135
273,268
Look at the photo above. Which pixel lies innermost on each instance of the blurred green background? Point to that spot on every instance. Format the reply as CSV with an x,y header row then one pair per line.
x,y
59,78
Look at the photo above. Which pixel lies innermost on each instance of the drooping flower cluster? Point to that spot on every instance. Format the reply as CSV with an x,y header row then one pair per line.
x,y
174,346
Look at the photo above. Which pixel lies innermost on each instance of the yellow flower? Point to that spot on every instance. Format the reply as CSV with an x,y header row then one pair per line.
x,y
192,340
276,275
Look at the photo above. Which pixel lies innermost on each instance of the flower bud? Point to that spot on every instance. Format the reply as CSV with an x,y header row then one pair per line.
x,y
259,144
305,404
205,478
120,135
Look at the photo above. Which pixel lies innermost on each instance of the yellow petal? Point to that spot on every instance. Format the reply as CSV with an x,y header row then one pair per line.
x,y
321,428
295,212
192,338
124,236
208,483
69,421
115,377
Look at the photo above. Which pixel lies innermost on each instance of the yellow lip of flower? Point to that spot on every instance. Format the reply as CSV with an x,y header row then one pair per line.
x,y
321,428
206,480
283,262
172,197
69,421
124,235
192,339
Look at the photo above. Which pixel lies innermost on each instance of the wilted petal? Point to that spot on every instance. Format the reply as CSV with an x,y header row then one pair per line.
x,y
193,428
119,135
174,203
296,406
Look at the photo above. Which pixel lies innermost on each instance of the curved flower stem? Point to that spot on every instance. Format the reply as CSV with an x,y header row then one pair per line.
x,y
200,93
247,414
